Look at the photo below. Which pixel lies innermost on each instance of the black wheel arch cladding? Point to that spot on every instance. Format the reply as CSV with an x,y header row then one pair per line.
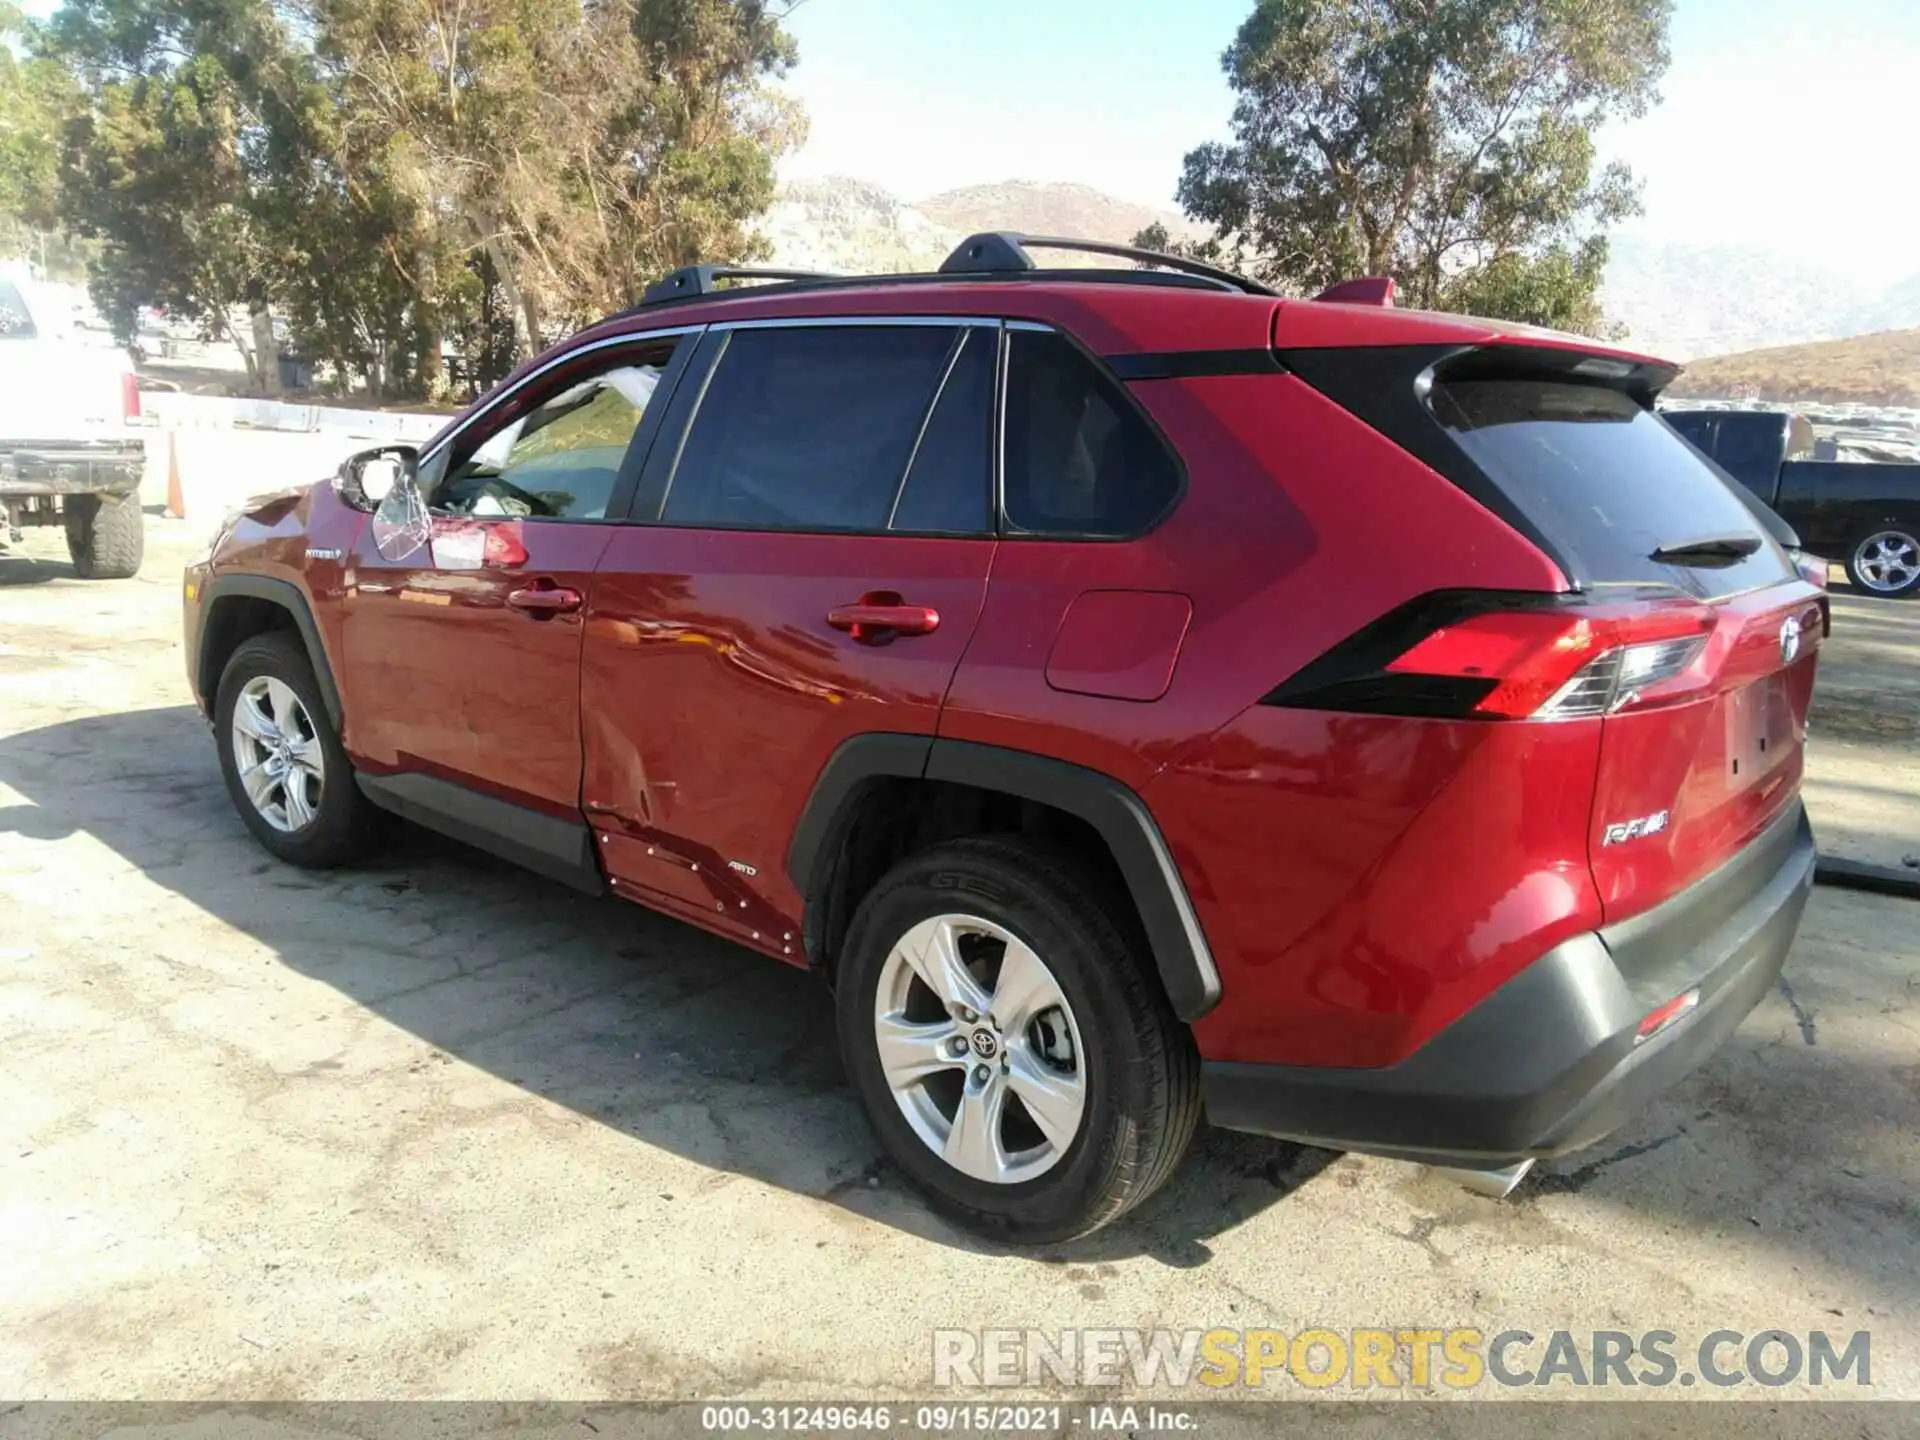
x,y
1114,812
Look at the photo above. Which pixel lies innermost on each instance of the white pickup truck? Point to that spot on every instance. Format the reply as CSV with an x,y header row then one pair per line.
x,y
65,455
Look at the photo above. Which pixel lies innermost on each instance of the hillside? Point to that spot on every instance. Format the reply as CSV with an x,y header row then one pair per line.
x,y
854,227
850,227
1879,369
1677,301
1048,209
1686,300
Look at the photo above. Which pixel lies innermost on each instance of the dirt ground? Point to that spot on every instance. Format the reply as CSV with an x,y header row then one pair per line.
x,y
441,1129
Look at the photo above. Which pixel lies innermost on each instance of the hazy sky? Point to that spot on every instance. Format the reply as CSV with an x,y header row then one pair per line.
x,y
1788,125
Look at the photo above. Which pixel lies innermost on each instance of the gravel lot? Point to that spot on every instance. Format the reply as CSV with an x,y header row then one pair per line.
x,y
439,1128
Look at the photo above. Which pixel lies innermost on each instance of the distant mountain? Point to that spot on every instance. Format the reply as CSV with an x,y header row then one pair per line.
x,y
1882,369
855,227
1680,301
1677,301
1037,208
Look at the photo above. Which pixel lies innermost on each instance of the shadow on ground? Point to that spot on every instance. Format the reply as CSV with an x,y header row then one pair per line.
x,y
605,1008
18,569
638,1022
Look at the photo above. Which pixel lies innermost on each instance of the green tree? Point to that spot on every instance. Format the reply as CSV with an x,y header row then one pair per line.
x,y
192,122
1448,143
36,97
580,148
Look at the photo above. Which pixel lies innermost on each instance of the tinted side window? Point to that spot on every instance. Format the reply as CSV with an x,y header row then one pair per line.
x,y
1080,459
807,428
561,460
949,487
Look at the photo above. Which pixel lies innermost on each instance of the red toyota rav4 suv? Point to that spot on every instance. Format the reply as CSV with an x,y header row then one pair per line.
x,y
1138,694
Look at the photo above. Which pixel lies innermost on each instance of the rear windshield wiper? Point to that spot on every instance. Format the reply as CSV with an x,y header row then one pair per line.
x,y
1710,551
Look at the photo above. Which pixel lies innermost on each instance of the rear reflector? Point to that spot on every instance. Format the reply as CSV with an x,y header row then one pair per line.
x,y
1668,1015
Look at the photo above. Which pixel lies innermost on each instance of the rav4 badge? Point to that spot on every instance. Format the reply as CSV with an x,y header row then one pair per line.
x,y
1635,829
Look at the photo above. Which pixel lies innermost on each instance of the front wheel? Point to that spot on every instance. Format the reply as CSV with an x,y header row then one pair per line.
x,y
1887,562
285,768
1009,1043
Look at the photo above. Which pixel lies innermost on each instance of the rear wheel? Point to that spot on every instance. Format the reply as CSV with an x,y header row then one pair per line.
x,y
1009,1044
106,536
1887,562
286,771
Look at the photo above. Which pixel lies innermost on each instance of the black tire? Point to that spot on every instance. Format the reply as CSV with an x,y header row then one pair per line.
x,y
1142,1072
106,536
1895,532
346,826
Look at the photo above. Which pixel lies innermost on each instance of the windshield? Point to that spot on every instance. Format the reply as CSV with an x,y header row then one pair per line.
x,y
16,321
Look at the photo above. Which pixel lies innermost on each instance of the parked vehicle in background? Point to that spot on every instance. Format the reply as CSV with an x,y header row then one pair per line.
x,y
1866,515
1132,691
65,456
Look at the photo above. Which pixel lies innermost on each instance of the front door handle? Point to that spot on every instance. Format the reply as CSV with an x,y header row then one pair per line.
x,y
543,599
879,615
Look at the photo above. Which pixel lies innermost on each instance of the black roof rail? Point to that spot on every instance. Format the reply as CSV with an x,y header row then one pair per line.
x,y
1004,252
691,280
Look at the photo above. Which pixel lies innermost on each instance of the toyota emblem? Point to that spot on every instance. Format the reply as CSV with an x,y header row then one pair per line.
x,y
1789,638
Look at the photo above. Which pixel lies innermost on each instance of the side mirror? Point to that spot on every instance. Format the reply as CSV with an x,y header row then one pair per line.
x,y
367,478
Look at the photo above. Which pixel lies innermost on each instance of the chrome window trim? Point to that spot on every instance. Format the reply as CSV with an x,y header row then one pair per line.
x,y
500,397
841,322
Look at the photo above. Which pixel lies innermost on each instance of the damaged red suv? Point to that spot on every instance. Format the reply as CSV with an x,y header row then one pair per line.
x,y
1137,694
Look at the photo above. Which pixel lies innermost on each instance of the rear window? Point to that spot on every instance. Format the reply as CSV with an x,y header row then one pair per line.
x,y
16,323
1603,479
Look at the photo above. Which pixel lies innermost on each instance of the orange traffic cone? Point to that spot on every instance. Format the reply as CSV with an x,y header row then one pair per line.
x,y
176,502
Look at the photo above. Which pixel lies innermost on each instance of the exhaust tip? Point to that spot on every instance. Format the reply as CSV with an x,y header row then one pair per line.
x,y
1495,1184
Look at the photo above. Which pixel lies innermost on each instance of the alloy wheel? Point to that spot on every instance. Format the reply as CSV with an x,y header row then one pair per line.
x,y
980,1049
1888,562
277,754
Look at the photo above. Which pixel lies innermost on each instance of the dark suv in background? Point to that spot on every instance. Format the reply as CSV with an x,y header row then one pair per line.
x,y
1136,693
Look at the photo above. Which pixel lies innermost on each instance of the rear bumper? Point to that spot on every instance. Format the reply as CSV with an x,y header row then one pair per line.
x,y
104,468
1549,1062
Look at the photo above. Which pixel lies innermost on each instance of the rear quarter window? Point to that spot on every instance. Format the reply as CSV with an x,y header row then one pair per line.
x,y
1604,479
1081,459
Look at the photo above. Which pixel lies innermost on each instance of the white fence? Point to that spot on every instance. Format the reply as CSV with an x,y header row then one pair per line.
x,y
206,454
170,411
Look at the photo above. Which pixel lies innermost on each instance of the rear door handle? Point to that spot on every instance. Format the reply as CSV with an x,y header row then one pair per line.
x,y
880,615
543,599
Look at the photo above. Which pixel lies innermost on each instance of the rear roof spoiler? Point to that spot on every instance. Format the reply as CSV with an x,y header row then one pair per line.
x,y
1366,290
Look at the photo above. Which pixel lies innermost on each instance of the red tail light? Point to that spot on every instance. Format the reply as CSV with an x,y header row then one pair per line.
x,y
1467,655
1568,663
129,397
